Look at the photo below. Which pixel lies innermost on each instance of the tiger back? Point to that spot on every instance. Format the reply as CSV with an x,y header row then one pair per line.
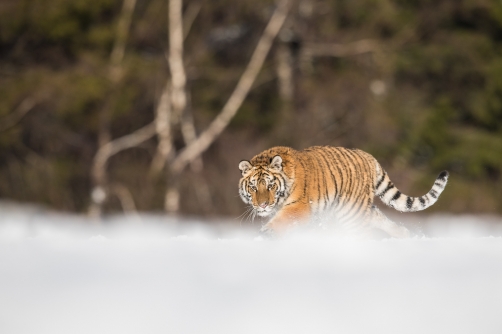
x,y
333,183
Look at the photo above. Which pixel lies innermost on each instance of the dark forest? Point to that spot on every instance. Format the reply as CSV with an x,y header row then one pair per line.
x,y
418,84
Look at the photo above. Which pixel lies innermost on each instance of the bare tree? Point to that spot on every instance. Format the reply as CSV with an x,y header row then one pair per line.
x,y
195,148
98,172
173,100
15,117
191,13
209,135
172,105
179,105
196,145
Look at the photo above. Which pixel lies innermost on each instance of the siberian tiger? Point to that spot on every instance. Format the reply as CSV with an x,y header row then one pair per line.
x,y
296,187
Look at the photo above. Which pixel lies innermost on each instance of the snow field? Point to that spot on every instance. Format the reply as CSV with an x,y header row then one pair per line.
x,y
60,274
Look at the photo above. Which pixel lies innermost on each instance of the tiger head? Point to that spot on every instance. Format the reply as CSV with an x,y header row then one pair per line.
x,y
264,184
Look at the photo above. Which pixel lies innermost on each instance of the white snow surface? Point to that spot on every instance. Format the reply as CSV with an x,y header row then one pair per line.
x,y
59,273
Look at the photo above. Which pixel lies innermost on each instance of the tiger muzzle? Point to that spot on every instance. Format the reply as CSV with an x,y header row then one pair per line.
x,y
263,196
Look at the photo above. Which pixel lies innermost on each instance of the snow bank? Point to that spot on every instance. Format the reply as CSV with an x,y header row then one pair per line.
x,y
60,274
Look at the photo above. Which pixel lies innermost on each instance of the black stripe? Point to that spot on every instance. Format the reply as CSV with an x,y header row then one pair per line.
x,y
335,165
396,196
323,156
351,215
443,175
358,207
342,168
349,172
282,183
368,169
389,187
433,194
357,199
355,176
409,202
381,180
422,200
304,180
312,172
293,188
359,171
317,179
324,181
438,184
315,162
345,181
358,178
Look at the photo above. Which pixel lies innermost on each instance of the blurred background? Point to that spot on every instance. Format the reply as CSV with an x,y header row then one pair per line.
x,y
101,102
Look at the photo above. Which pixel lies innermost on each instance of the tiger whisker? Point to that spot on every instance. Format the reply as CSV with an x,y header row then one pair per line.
x,y
254,215
247,214
246,211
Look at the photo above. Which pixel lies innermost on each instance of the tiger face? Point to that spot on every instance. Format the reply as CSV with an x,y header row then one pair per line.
x,y
263,186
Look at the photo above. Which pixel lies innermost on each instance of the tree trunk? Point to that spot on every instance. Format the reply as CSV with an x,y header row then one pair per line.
x,y
172,197
165,149
178,92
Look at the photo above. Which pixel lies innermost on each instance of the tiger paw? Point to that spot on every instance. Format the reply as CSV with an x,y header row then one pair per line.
x,y
267,231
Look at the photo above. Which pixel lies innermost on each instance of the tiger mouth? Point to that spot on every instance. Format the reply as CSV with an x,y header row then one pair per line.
x,y
263,212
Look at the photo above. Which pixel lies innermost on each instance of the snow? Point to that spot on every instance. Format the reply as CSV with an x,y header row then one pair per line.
x,y
59,273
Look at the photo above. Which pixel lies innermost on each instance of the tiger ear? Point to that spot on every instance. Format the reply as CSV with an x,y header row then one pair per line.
x,y
245,166
276,163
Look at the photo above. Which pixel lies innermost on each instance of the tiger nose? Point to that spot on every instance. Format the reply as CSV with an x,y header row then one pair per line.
x,y
263,204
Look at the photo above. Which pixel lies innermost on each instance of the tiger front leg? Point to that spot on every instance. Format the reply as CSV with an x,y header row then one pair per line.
x,y
290,215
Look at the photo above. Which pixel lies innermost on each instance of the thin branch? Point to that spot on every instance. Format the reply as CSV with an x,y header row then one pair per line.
x,y
125,198
117,145
119,46
190,14
192,151
340,50
15,117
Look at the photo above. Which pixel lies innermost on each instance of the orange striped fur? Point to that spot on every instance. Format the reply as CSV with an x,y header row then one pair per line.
x,y
295,187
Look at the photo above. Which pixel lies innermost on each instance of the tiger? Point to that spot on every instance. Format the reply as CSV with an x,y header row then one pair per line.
x,y
296,187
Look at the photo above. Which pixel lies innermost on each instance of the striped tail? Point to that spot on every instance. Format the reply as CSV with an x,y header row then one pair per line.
x,y
390,195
